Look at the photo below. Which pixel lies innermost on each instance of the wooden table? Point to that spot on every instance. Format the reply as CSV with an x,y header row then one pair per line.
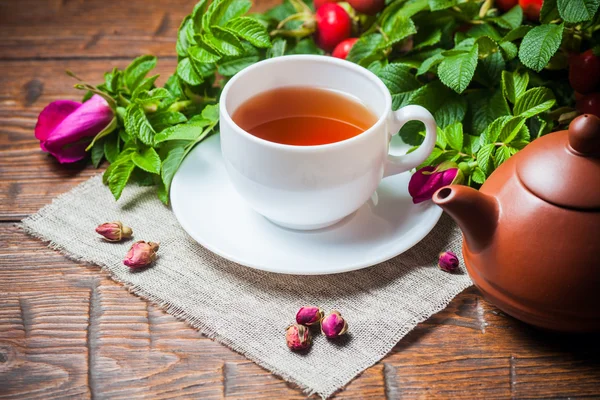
x,y
67,330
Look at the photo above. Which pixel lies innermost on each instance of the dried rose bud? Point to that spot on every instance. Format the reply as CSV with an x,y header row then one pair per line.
x,y
309,315
298,337
334,325
114,231
141,254
448,261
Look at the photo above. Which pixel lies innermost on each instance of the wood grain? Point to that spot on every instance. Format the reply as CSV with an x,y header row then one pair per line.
x,y
67,330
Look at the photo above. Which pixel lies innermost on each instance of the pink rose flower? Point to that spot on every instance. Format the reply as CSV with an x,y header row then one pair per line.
x,y
65,128
448,261
424,183
141,254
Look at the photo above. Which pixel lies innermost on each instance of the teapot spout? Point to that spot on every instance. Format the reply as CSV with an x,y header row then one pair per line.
x,y
475,213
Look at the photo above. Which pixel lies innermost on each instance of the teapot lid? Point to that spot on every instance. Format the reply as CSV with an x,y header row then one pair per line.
x,y
563,168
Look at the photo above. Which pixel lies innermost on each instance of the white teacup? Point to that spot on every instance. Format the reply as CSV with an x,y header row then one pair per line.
x,y
311,187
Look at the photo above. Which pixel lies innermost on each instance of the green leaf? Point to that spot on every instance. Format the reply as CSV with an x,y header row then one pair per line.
x,y
222,11
233,66
224,42
429,63
111,80
575,11
514,84
187,73
539,45
137,70
487,46
484,157
436,5
153,96
471,144
112,148
454,136
509,50
148,160
211,113
440,140
478,176
501,155
145,85
549,12
163,119
112,125
510,129
118,173
186,29
137,125
534,101
396,30
511,19
452,110
485,106
170,165
203,53
492,132
427,37
490,69
278,48
517,33
306,46
365,47
400,82
97,153
190,131
249,29
457,71
432,158
480,30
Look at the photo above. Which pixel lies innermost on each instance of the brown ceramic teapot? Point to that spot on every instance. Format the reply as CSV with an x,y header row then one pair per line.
x,y
532,232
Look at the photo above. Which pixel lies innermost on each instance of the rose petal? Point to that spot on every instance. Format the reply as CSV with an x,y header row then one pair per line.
x,y
67,142
425,182
52,115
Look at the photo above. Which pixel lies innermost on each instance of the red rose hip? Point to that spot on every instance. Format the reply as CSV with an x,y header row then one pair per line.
x,y
343,48
333,26
584,72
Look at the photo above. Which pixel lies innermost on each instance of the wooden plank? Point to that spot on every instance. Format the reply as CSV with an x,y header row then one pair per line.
x,y
68,330
93,28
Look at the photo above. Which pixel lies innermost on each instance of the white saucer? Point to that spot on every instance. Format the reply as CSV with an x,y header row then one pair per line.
x,y
212,213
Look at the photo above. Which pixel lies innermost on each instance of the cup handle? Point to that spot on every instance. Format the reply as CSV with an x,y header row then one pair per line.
x,y
398,164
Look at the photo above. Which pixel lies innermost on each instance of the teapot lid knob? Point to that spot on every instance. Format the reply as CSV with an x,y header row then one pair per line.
x,y
584,135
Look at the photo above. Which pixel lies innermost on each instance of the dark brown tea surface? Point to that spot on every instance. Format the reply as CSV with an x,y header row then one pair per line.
x,y
304,116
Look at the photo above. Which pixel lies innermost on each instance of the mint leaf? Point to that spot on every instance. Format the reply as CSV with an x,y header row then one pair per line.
x,y
97,153
170,165
137,125
187,73
575,11
148,160
457,71
452,110
137,70
365,47
471,144
436,5
203,53
539,45
196,16
485,106
492,132
549,12
190,131
501,155
278,48
249,29
534,101
490,69
400,82
511,19
454,136
118,174
152,96
145,85
174,86
514,84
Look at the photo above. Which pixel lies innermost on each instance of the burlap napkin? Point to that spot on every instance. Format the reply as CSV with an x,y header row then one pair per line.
x,y
248,310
